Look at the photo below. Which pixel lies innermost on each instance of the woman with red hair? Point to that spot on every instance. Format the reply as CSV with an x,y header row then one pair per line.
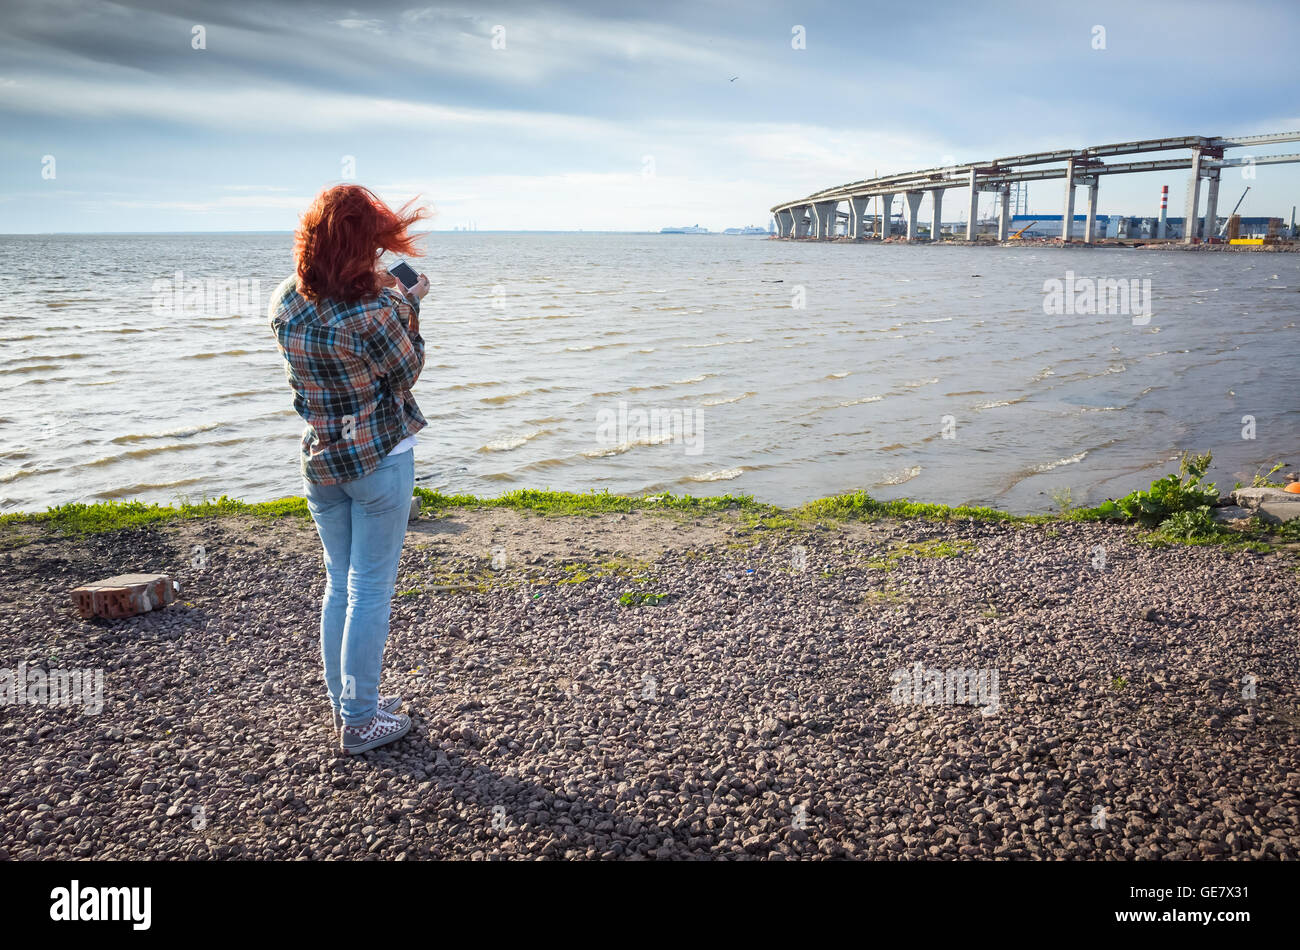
x,y
350,338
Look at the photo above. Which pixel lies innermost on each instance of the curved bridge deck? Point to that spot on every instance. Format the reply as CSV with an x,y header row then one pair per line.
x,y
818,215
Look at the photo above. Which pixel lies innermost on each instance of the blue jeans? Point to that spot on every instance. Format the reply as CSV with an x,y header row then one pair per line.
x,y
362,524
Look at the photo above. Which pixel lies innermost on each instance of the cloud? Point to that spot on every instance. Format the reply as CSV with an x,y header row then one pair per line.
x,y
556,126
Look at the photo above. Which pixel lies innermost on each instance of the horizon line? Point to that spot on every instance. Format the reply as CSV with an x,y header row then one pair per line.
x,y
292,231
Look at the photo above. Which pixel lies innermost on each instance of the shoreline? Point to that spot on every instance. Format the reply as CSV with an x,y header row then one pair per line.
x,y
669,682
85,519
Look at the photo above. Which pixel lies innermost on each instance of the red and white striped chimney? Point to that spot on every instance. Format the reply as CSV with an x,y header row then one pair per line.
x,y
1164,210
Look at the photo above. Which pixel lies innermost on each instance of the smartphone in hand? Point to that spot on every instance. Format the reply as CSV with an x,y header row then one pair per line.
x,y
405,274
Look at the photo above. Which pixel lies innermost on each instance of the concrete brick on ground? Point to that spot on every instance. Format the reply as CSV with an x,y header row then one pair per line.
x,y
125,595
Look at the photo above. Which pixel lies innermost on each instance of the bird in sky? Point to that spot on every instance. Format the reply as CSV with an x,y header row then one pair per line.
x,y
733,79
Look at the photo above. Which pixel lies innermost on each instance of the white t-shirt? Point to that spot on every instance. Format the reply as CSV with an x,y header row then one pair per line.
x,y
404,446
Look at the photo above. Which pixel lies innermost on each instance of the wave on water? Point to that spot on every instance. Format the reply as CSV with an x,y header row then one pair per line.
x,y
723,402
838,375
844,405
15,474
510,397
22,370
721,475
899,477
704,346
1069,460
56,356
507,442
542,464
212,356
593,346
134,491
999,403
169,434
252,392
160,450
628,446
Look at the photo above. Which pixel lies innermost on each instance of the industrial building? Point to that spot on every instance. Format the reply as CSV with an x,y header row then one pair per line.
x,y
1125,226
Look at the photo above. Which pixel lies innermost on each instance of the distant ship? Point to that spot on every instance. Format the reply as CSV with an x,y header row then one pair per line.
x,y
693,229
747,229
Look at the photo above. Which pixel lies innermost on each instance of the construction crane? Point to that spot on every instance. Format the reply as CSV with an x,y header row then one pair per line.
x,y
1016,236
1223,230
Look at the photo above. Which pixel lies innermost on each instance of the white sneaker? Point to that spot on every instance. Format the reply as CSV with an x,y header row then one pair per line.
x,y
386,704
380,730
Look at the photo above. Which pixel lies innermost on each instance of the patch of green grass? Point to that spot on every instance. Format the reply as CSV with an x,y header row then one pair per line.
x,y
575,574
772,519
1064,498
77,518
1261,477
859,506
574,503
637,598
1118,683
885,595
1226,538
1287,531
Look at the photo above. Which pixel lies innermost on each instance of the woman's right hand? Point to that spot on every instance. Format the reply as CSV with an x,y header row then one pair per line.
x,y
420,289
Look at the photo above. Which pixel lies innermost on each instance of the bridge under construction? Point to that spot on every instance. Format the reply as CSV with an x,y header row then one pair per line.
x,y
818,216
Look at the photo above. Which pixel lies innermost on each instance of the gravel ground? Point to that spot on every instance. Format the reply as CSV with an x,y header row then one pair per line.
x,y
749,714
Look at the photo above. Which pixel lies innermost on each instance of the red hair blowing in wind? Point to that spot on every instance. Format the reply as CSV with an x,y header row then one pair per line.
x,y
340,238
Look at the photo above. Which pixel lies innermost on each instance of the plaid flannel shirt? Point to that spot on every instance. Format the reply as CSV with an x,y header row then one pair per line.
x,y
351,367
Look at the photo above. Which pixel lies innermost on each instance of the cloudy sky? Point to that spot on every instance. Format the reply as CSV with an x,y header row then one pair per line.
x,y
618,115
